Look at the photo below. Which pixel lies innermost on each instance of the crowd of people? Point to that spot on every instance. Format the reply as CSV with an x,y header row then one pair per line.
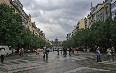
x,y
110,52
64,51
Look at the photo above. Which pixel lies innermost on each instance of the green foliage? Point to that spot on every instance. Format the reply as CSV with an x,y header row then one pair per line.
x,y
13,33
11,26
101,34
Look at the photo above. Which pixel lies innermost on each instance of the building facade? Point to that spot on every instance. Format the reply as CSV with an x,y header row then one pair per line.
x,y
5,2
68,36
99,12
30,24
56,44
107,9
88,24
113,8
10,3
81,24
26,19
24,16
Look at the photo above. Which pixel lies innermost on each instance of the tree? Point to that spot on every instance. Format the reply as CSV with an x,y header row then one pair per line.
x,y
101,33
14,34
11,26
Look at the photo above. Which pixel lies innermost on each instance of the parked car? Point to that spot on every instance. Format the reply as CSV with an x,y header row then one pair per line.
x,y
7,49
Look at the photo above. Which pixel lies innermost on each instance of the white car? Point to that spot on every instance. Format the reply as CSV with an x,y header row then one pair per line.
x,y
7,49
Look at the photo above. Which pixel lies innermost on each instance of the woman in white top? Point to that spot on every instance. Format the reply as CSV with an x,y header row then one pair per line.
x,y
2,55
109,54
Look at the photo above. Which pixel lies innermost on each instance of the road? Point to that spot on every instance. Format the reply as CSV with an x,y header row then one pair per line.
x,y
79,63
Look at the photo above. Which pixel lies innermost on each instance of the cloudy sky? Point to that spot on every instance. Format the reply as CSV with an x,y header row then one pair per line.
x,y
56,18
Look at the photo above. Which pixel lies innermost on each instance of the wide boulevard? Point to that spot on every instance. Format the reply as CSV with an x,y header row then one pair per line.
x,y
82,62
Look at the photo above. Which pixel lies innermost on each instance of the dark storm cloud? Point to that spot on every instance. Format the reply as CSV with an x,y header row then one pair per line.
x,y
58,15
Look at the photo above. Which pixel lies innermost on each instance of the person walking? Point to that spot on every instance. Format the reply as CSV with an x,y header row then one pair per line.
x,y
22,51
108,54
98,55
73,50
2,54
65,51
113,54
77,49
61,51
58,51
44,53
70,50
37,51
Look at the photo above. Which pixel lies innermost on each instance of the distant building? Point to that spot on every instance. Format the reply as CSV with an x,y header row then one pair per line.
x,y
56,44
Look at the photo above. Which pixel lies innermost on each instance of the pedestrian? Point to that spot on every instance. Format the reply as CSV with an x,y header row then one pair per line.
x,y
77,50
22,52
37,51
44,53
58,51
88,49
61,51
65,52
2,54
113,54
73,51
108,54
98,55
70,51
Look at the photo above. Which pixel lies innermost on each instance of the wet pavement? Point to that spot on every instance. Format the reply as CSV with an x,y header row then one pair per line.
x,y
79,63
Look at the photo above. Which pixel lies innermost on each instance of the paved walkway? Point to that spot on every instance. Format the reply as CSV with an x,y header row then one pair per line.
x,y
31,63
107,62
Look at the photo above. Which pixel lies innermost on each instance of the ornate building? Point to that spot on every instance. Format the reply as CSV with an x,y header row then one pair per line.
x,y
56,44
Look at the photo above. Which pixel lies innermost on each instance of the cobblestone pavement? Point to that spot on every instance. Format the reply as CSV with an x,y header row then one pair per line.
x,y
80,63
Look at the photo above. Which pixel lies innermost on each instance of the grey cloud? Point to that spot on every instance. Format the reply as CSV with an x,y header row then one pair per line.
x,y
60,15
